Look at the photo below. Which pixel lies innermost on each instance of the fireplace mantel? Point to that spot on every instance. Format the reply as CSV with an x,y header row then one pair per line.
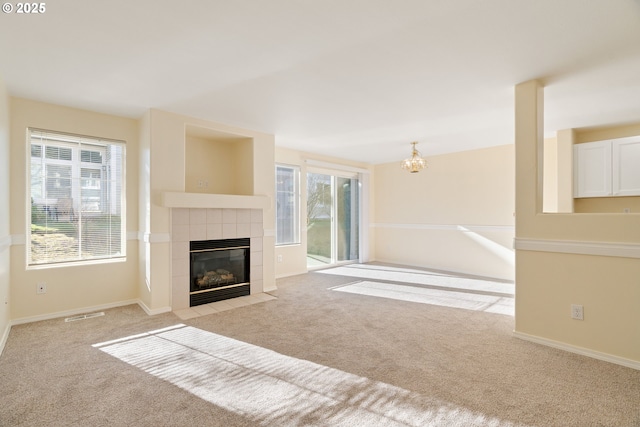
x,y
206,200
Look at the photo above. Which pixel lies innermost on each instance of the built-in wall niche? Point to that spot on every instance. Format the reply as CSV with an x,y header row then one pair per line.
x,y
217,162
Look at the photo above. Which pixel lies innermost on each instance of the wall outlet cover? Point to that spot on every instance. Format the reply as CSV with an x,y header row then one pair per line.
x,y
577,312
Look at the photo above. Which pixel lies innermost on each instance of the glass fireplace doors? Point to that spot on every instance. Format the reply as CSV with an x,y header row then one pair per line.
x,y
219,270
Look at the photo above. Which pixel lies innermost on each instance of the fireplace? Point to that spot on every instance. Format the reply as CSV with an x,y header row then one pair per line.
x,y
202,224
219,270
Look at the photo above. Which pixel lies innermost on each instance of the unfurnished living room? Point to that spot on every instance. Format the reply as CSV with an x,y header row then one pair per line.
x,y
329,213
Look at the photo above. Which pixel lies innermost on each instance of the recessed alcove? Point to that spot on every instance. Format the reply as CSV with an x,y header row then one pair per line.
x,y
217,162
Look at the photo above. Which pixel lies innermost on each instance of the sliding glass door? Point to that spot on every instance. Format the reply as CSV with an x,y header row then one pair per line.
x,y
333,222
319,219
348,221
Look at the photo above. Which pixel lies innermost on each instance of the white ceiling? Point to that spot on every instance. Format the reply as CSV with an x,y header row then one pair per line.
x,y
357,79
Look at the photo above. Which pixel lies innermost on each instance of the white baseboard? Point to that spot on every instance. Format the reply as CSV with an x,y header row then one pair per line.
x,y
282,276
73,312
76,311
634,364
270,289
153,312
5,336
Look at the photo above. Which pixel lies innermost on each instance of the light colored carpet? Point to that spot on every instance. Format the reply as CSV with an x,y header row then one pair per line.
x,y
425,295
318,355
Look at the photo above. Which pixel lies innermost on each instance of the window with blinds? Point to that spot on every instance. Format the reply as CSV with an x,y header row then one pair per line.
x,y
76,188
287,205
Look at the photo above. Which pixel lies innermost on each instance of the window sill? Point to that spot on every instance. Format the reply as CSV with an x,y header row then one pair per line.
x,y
84,263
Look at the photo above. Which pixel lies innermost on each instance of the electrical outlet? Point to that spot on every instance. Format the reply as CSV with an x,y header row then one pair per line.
x,y
41,288
279,258
577,312
626,210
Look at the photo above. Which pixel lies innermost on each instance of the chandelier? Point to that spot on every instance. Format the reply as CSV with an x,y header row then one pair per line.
x,y
415,163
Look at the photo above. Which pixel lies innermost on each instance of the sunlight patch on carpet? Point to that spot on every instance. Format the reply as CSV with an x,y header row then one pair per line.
x,y
269,388
445,298
420,277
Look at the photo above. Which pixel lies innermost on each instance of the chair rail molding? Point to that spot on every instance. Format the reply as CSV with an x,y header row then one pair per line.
x,y
5,243
612,249
450,227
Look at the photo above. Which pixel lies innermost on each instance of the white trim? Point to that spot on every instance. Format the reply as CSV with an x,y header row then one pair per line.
x,y
72,312
335,166
450,227
364,223
153,312
18,239
156,237
4,338
5,243
269,289
623,250
66,313
579,350
77,263
282,276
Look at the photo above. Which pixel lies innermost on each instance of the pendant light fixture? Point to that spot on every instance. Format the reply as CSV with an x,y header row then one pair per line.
x,y
415,163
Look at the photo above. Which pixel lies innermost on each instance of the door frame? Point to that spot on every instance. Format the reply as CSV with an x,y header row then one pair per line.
x,y
362,176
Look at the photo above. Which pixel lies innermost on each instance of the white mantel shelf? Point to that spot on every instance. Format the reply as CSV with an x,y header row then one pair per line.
x,y
205,200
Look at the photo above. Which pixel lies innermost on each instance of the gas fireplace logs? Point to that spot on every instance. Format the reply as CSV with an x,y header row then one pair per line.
x,y
215,278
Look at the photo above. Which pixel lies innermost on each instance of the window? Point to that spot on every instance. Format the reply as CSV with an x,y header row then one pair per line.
x,y
287,205
77,198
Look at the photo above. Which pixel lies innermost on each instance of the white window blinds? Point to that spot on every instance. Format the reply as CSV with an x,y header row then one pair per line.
x,y
77,198
287,205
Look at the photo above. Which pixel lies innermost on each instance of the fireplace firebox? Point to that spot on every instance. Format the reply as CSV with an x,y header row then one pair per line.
x,y
219,270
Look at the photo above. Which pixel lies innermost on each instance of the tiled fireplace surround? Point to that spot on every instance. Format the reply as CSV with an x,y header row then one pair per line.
x,y
189,224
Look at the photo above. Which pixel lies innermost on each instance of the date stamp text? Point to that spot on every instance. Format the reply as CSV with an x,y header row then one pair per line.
x,y
27,8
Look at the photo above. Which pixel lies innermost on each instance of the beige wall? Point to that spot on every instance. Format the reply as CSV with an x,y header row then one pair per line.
x,y
69,288
564,259
558,173
607,205
221,166
550,179
456,215
294,257
5,235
